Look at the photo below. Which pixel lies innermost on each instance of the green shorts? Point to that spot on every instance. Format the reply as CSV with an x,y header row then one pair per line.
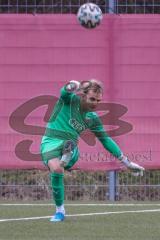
x,y
53,149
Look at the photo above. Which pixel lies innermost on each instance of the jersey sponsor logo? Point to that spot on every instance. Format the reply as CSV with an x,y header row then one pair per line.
x,y
76,125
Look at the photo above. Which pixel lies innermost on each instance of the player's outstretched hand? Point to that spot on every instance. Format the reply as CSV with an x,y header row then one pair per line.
x,y
136,169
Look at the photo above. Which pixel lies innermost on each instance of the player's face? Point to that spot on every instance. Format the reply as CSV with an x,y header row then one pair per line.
x,y
91,100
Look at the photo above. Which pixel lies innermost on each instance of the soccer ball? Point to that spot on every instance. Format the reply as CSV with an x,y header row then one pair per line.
x,y
89,15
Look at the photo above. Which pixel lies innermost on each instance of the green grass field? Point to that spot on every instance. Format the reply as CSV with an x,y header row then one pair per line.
x,y
84,222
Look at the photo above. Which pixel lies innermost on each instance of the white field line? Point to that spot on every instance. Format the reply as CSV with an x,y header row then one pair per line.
x,y
81,214
81,204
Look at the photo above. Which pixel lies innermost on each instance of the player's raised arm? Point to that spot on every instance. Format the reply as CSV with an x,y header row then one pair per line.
x,y
69,90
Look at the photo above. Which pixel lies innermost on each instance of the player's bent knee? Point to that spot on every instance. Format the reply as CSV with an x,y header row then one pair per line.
x,y
54,166
58,170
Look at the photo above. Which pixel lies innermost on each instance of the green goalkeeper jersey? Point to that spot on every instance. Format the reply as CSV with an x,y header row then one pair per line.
x,y
68,122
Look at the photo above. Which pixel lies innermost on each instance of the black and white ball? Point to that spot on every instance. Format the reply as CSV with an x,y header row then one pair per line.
x,y
89,15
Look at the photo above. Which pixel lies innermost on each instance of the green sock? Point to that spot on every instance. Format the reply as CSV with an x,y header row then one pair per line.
x,y
57,184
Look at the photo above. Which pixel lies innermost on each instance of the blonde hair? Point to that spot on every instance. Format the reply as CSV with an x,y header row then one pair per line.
x,y
92,84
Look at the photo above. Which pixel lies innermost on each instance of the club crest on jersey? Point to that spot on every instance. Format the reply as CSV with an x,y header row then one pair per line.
x,y
88,120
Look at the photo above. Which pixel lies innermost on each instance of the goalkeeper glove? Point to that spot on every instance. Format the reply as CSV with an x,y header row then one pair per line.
x,y
73,86
137,169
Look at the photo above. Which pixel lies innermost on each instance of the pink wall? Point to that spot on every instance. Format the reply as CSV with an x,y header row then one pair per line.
x,y
39,54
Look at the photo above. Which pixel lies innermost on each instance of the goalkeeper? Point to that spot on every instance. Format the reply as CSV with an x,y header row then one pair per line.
x,y
73,114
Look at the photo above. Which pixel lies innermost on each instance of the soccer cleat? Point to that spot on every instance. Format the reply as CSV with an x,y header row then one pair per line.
x,y
58,217
67,152
68,146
